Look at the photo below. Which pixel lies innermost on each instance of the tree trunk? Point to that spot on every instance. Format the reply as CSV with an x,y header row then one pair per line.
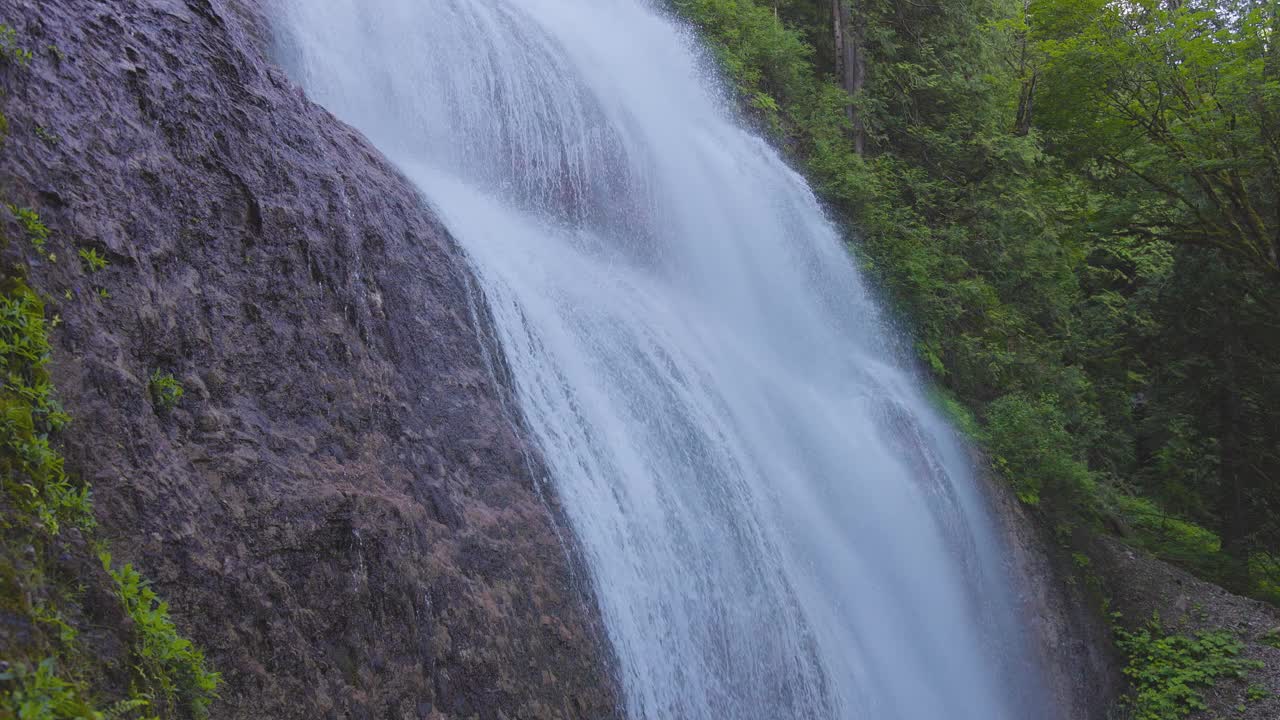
x,y
1271,123
1233,525
1022,125
1026,96
851,63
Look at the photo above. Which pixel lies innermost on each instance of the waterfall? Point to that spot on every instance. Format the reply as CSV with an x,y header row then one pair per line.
x,y
775,522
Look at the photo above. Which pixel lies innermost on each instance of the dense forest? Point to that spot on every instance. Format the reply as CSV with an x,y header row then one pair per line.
x,y
1075,206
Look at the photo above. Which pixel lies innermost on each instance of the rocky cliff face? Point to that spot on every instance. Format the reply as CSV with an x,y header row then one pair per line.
x,y
341,508
1065,622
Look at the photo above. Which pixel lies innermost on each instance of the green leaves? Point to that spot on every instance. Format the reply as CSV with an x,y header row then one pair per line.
x,y
1028,440
166,391
93,260
166,661
169,673
40,694
1169,671
33,471
35,229
10,49
1175,99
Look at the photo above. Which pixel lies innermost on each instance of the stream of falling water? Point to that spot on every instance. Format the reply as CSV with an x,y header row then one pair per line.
x,y
777,525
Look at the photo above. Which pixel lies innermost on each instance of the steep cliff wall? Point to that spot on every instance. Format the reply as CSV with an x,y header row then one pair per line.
x,y
1063,612
340,508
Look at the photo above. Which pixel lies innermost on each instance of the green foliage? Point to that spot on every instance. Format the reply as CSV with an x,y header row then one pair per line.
x,y
1264,572
47,136
1073,204
1256,692
1272,638
34,228
53,675
1169,672
1029,443
960,416
1167,536
32,471
166,661
166,391
10,50
49,615
39,694
93,260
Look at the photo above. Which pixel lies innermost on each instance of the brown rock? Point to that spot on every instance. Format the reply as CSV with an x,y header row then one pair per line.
x,y
339,509
1063,613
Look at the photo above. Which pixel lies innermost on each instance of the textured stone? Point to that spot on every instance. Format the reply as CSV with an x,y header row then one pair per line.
x,y
341,509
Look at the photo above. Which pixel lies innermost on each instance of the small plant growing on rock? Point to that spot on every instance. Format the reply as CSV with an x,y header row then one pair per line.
x,y
169,676
30,221
93,260
33,477
170,661
10,50
166,391
40,693
1271,637
48,136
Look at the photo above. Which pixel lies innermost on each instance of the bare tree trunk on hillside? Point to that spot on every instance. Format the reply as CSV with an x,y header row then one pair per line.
x,y
851,62
1022,125
1029,75
1271,124
1233,525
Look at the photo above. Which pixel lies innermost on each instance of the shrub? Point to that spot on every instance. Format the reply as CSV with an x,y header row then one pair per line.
x,y
167,661
93,260
54,675
1169,671
1167,536
1031,446
166,391
32,471
39,694
10,50
30,221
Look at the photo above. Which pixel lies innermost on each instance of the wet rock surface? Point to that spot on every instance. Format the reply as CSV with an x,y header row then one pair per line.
x,y
1065,621
341,509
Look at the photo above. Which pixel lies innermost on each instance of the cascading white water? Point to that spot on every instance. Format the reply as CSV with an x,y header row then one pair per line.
x,y
776,524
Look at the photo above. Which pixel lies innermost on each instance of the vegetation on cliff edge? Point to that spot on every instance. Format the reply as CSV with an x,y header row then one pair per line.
x,y
81,636
1072,204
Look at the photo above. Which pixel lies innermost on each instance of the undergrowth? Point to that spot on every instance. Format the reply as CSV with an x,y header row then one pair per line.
x,y
10,50
169,663
49,555
93,260
1170,671
166,391
42,503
